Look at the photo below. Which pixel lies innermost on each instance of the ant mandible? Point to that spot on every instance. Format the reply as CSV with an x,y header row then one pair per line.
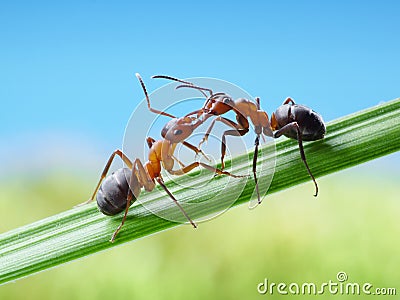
x,y
119,190
290,119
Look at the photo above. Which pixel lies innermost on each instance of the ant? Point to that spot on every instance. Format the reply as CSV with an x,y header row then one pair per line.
x,y
290,119
119,190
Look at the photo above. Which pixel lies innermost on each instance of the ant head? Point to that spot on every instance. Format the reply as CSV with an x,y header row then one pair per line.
x,y
219,104
178,129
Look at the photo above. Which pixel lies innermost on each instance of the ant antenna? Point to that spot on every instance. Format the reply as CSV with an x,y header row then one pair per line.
x,y
148,99
195,87
178,80
171,78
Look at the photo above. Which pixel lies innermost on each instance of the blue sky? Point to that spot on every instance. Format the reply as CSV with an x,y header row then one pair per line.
x,y
67,69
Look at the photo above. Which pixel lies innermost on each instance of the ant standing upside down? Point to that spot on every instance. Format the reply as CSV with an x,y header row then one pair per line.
x,y
119,190
290,119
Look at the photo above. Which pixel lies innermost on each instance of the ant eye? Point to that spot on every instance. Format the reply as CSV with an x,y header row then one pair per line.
x,y
177,132
227,100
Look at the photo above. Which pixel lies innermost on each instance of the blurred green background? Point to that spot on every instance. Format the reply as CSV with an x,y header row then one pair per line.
x,y
292,237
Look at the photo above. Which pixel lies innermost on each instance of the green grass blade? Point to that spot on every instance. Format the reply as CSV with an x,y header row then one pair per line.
x,y
351,140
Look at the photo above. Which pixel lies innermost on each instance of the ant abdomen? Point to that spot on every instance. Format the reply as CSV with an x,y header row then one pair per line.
x,y
311,125
112,195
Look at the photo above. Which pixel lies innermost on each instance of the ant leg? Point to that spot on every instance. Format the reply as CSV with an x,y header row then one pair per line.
x,y
156,111
198,113
147,182
295,126
220,119
289,100
195,149
184,170
143,176
256,143
258,103
161,182
237,132
105,171
178,161
128,204
151,141
134,191
220,172
205,137
208,167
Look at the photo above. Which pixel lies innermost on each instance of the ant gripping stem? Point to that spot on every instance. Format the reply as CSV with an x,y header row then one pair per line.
x,y
301,123
290,119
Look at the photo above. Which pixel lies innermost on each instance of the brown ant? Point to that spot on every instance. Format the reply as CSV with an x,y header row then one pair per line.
x,y
290,119
119,190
